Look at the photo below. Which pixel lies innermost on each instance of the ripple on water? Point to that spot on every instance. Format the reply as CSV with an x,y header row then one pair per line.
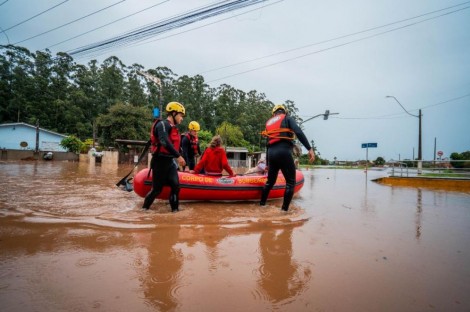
x,y
84,262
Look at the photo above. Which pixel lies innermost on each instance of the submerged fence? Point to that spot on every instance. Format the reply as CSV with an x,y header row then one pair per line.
x,y
431,168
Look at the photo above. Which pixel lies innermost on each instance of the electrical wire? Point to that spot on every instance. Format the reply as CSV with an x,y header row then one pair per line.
x,y
26,20
145,32
102,26
76,20
337,46
401,115
208,24
333,39
8,39
447,101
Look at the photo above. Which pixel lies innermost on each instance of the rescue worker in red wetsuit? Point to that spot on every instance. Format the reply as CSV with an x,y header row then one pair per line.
x,y
190,145
214,160
280,131
166,139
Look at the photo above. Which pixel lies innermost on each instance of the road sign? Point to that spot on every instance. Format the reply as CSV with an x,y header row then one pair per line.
x,y
367,145
440,153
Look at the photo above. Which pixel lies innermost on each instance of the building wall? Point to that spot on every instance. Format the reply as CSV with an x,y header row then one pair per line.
x,y
8,154
11,136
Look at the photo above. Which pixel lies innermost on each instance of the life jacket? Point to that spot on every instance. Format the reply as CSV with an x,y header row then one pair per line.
x,y
274,131
193,141
173,136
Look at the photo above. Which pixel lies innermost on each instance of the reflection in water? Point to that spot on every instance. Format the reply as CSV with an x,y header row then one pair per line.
x,y
71,241
165,261
281,277
419,212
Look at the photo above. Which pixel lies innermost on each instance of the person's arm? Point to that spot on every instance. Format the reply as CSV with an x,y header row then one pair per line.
x,y
200,164
302,138
163,129
185,145
226,165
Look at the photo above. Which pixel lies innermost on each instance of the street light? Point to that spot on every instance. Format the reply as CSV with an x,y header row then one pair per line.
x,y
420,158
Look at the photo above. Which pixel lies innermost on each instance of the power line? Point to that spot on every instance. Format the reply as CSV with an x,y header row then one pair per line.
x,y
390,116
337,46
8,39
400,115
333,39
26,20
78,19
143,33
208,24
102,26
447,101
3,2
194,28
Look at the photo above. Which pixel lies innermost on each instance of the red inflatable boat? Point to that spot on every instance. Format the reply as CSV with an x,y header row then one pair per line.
x,y
207,188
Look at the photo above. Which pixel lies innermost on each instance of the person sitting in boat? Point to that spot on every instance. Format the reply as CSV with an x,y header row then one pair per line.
x,y
190,145
259,169
214,160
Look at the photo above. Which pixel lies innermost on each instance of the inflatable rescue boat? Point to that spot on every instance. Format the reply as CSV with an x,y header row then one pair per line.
x,y
217,188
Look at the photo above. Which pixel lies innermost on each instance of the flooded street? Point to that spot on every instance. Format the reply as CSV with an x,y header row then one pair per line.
x,y
72,241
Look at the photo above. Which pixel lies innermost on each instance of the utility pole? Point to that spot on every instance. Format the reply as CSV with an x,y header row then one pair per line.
x,y
158,82
419,116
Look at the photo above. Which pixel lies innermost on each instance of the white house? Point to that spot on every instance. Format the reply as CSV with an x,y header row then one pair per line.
x,y
22,136
237,156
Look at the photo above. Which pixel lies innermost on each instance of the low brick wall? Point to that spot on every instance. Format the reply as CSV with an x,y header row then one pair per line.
x,y
109,157
8,154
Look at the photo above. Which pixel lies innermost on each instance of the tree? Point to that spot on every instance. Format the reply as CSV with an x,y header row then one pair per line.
x,y
72,144
69,98
254,110
16,84
459,163
231,135
204,138
111,82
380,161
134,91
124,122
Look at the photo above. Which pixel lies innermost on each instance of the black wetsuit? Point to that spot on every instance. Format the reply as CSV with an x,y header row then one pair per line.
x,y
279,157
165,170
189,154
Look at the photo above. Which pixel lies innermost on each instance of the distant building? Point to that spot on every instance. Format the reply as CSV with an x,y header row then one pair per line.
x,y
22,136
237,156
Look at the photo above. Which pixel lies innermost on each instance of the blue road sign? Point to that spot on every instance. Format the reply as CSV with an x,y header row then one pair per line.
x,y
366,145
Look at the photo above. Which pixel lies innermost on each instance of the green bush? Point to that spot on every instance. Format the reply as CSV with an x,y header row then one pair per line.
x,y
72,144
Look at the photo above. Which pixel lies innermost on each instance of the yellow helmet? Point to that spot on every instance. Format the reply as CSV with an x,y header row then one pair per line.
x,y
175,107
279,106
194,125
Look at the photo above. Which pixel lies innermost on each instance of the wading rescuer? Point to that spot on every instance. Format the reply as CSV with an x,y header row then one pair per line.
x,y
280,131
190,145
166,139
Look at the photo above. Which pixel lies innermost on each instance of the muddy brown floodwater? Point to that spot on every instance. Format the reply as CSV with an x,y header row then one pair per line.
x,y
70,240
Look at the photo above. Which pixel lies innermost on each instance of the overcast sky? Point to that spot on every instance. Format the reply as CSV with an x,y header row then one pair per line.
x,y
342,56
